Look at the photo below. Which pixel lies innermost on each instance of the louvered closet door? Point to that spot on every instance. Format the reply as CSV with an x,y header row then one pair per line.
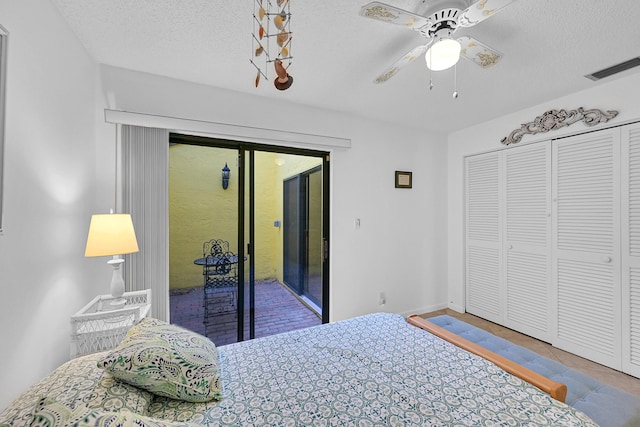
x,y
630,169
586,247
483,236
527,240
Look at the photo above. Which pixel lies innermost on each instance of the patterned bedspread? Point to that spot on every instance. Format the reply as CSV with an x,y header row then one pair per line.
x,y
374,370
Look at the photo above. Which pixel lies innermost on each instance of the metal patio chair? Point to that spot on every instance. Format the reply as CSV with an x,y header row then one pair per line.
x,y
220,272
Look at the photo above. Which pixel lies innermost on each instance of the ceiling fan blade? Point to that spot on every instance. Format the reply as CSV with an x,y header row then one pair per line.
x,y
481,10
478,53
396,66
387,13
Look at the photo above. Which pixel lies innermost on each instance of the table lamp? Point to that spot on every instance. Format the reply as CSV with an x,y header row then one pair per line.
x,y
112,235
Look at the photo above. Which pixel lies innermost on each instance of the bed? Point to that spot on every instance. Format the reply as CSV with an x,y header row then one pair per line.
x,y
373,370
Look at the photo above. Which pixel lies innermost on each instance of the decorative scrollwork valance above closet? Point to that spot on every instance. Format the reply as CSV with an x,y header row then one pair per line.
x,y
556,119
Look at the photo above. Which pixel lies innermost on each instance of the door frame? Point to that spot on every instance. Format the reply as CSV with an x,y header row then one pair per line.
x,y
246,150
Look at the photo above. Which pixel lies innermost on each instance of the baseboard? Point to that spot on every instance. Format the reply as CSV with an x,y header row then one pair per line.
x,y
423,310
456,307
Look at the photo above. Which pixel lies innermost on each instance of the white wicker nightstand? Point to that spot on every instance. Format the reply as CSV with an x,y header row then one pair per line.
x,y
96,328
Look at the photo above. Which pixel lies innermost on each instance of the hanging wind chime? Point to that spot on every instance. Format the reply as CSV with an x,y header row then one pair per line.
x,y
271,22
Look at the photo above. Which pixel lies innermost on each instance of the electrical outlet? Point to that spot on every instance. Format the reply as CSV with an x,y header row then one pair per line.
x,y
382,300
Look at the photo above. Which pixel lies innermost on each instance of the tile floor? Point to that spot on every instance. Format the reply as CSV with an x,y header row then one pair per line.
x,y
276,310
601,373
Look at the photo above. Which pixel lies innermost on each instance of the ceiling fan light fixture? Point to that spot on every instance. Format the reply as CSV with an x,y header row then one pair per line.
x,y
443,54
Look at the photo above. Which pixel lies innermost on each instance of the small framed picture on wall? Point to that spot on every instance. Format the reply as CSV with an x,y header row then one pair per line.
x,y
404,179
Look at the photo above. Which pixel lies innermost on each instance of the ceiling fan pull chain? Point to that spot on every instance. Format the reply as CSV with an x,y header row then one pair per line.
x,y
430,76
455,81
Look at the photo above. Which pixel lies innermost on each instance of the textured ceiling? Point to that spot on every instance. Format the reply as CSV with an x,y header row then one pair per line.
x,y
548,47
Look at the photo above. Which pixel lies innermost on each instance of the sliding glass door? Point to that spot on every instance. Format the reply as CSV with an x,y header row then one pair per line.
x,y
204,255
246,289
302,218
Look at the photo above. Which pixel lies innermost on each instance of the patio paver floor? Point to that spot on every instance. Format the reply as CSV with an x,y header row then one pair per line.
x,y
276,310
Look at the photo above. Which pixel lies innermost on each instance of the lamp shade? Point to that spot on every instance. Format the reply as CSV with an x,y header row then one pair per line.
x,y
443,54
111,234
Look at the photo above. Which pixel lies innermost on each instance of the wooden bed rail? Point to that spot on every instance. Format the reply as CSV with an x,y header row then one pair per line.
x,y
557,390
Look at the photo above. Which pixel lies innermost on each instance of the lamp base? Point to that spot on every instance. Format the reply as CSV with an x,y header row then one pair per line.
x,y
117,304
117,284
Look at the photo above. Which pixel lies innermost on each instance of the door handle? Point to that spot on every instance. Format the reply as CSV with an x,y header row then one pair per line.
x,y
325,250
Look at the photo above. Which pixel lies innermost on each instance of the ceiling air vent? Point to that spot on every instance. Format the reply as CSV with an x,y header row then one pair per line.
x,y
615,69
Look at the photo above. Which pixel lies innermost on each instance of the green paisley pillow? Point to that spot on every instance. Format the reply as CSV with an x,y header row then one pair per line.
x,y
166,360
49,413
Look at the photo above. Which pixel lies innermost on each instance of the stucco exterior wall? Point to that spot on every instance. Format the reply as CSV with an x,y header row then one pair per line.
x,y
200,209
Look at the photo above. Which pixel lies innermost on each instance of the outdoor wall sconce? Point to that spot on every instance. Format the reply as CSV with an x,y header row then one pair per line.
x,y
226,174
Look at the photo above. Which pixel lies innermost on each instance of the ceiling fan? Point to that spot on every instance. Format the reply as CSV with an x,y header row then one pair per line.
x,y
437,25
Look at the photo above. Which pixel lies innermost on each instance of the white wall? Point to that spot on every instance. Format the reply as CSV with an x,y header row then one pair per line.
x,y
49,193
401,242
621,95
399,248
